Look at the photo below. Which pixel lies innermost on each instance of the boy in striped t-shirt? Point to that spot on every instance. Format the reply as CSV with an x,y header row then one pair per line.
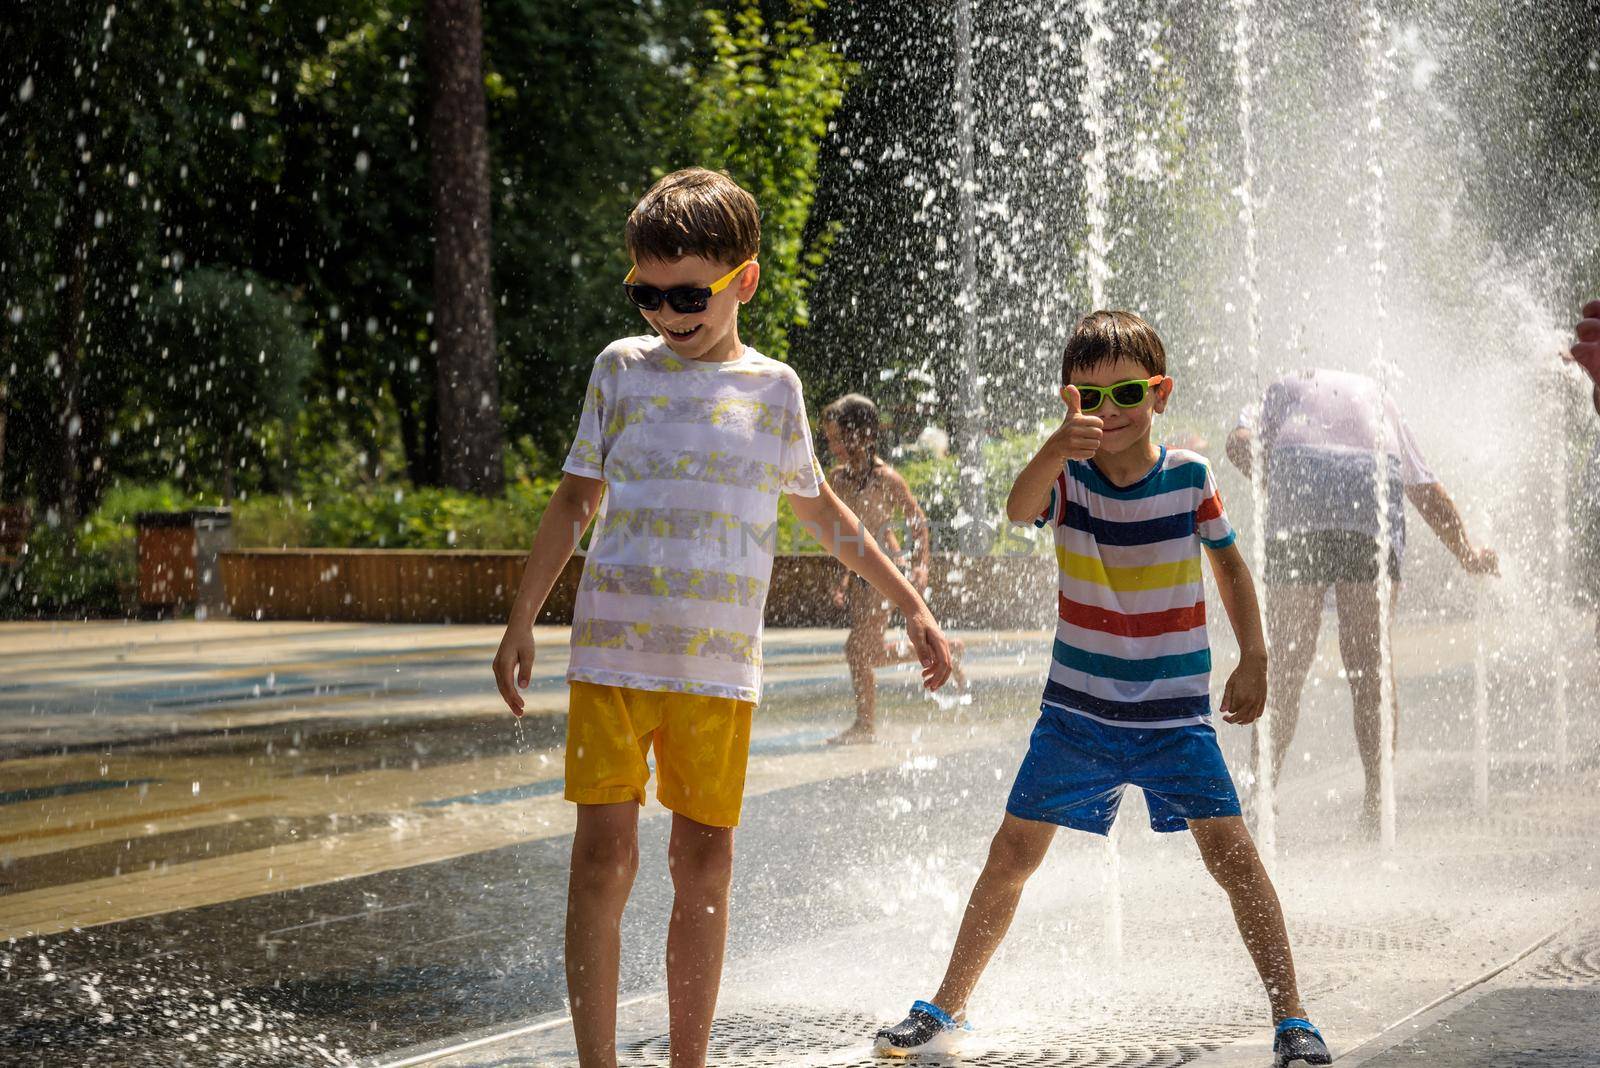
x,y
1128,697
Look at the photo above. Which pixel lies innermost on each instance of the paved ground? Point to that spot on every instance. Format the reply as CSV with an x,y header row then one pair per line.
x,y
301,843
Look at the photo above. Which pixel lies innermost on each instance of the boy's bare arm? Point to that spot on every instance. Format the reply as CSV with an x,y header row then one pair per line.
x,y
1245,696
1077,438
842,534
566,517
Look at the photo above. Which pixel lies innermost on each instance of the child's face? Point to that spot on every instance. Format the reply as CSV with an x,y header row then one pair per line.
x,y
1123,428
844,446
710,334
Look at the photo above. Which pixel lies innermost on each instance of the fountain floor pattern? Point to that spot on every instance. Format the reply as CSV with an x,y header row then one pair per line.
x,y
377,878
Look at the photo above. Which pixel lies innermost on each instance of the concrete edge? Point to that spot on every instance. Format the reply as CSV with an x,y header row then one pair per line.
x,y
1440,1008
438,1049
1255,1049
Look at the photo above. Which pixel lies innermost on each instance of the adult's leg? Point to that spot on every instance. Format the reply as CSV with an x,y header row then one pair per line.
x,y
701,859
1230,856
1016,852
863,651
1294,618
1360,631
605,858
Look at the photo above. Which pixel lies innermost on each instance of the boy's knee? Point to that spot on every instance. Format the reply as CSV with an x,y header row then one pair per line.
x,y
604,859
1014,857
706,863
1234,865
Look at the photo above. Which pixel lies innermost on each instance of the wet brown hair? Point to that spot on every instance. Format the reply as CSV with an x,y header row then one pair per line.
x,y
1102,337
857,417
694,212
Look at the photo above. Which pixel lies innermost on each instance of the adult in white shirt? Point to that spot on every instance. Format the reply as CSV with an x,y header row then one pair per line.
x,y
1320,433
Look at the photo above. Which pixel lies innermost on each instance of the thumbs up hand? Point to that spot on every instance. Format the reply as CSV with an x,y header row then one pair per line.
x,y
1078,437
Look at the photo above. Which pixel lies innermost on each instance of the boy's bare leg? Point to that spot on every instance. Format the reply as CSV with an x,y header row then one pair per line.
x,y
863,651
1294,618
1016,852
1230,856
605,857
701,859
1359,630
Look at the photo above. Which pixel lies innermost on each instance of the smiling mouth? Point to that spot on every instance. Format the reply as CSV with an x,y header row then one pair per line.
x,y
682,335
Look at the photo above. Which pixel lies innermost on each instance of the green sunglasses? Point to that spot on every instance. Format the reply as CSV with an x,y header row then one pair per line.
x,y
1129,394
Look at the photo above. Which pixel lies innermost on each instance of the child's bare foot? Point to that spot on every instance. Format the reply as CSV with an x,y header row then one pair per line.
x,y
857,734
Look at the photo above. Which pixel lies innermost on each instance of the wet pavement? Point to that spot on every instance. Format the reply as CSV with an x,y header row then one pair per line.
x,y
302,843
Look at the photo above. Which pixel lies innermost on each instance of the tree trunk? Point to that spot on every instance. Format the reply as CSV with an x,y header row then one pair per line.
x,y
463,311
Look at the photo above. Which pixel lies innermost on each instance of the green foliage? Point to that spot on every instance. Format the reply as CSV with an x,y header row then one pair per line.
x,y
384,518
761,104
234,354
96,573
585,104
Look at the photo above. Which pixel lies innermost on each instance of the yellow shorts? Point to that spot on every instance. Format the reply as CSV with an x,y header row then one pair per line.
x,y
702,745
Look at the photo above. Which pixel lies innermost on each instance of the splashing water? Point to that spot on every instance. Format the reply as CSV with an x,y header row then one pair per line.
x,y
1097,196
1096,183
1480,697
1244,80
177,1016
971,405
1560,645
1374,66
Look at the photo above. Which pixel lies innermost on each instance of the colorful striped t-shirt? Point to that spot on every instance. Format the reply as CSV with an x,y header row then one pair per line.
x,y
1130,646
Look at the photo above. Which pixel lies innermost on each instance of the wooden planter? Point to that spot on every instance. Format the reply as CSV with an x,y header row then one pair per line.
x,y
477,586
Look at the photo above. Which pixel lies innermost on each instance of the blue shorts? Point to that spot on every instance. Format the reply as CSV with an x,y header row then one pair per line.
x,y
1077,768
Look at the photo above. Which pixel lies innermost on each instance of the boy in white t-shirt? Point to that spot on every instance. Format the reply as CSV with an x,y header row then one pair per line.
x,y
693,435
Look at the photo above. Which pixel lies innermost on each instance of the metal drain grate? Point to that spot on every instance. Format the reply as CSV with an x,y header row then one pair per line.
x,y
777,1038
1391,938
780,1039
1577,962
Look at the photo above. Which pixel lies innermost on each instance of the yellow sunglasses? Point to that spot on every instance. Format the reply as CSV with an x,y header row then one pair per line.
x,y
686,300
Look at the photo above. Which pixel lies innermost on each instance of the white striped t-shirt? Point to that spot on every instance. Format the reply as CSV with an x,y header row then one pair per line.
x,y
694,455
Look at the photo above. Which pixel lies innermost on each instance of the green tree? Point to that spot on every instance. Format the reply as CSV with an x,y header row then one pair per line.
x,y
761,102
234,353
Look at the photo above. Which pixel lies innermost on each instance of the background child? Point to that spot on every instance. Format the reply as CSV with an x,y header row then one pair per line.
x,y
694,435
1127,701
874,491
